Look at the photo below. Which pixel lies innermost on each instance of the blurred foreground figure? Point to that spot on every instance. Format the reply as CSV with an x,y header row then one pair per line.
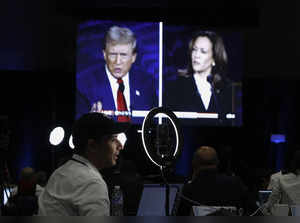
x,y
77,188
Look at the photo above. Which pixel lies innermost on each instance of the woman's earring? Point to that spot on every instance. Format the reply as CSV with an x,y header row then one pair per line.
x,y
213,64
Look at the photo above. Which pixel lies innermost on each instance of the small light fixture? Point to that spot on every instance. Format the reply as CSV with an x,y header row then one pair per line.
x,y
122,138
71,142
278,138
56,136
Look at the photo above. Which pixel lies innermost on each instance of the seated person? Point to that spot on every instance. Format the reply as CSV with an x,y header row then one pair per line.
x,y
24,202
286,187
210,188
77,188
27,183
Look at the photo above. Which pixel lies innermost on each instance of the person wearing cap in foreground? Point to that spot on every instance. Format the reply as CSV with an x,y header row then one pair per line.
x,y
77,188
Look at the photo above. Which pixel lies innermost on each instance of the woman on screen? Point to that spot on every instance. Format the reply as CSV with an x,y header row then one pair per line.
x,y
203,87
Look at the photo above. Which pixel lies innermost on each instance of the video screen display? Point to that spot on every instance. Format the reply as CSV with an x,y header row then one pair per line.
x,y
202,73
117,69
124,69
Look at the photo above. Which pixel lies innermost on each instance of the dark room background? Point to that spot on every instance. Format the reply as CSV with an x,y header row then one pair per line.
x,y
37,66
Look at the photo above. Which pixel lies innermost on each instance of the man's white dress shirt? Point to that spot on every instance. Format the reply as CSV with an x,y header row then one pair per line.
x,y
115,86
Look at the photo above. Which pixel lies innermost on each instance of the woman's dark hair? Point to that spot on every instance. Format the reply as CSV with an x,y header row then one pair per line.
x,y
219,52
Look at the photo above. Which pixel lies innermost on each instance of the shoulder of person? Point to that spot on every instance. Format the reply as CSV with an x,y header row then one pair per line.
x,y
183,80
187,188
90,74
185,77
286,177
140,73
228,83
232,179
223,82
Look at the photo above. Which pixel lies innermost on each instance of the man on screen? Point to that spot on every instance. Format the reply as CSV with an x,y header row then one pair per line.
x,y
117,87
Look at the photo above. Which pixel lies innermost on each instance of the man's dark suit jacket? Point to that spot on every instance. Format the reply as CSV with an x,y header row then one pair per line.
x,y
213,189
182,95
94,86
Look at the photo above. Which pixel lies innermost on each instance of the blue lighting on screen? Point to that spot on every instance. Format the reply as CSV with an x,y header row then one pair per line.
x,y
278,138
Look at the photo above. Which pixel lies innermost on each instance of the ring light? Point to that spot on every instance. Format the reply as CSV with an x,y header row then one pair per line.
x,y
147,135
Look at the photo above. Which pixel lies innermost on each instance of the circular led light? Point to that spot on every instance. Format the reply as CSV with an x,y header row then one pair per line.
x,y
122,138
56,136
71,142
165,113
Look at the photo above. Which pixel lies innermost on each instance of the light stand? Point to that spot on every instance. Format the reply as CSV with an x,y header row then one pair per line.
x,y
167,189
165,154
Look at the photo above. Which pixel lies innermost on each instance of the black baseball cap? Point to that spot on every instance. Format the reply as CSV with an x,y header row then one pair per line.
x,y
95,125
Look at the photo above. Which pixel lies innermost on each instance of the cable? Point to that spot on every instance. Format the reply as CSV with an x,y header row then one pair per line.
x,y
258,209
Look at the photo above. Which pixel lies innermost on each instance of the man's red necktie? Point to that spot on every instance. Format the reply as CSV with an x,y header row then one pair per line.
x,y
121,102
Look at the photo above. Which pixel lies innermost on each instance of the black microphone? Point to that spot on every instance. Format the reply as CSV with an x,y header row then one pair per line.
x,y
210,79
215,81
